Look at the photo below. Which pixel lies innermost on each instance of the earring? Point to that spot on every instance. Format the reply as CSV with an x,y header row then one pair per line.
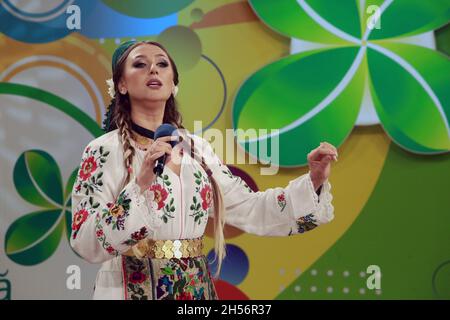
x,y
175,91
123,91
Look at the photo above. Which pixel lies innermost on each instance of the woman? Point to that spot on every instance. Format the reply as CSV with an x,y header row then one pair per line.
x,y
147,229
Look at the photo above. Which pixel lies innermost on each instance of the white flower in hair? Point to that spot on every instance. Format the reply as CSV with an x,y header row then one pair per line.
x,y
111,91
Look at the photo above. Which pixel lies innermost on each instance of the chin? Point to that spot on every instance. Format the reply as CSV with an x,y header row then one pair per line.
x,y
156,97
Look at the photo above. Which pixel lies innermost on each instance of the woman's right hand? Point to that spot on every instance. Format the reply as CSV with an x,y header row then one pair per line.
x,y
157,149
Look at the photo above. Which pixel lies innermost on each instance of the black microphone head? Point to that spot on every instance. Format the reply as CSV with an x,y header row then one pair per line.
x,y
165,130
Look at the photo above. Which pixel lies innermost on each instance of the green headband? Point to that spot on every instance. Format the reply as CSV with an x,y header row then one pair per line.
x,y
118,53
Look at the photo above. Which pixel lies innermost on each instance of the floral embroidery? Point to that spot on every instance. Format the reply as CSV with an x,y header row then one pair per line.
x,y
87,168
160,195
201,210
246,185
183,279
137,279
168,211
168,279
281,198
306,223
111,250
167,183
89,175
102,238
78,219
136,237
116,213
207,197
228,173
82,214
237,178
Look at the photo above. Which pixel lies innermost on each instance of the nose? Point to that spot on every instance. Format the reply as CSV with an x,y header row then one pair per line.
x,y
153,69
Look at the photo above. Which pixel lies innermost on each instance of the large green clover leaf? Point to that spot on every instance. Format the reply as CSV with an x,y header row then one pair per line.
x,y
409,108
35,236
304,96
316,95
31,172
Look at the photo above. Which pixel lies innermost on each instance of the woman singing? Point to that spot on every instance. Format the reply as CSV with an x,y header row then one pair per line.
x,y
147,229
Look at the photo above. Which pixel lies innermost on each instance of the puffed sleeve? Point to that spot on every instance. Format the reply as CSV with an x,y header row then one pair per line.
x,y
108,220
275,212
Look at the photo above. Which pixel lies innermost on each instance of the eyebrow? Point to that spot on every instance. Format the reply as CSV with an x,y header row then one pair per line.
x,y
142,56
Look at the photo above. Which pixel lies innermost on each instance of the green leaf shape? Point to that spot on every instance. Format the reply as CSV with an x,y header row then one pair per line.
x,y
69,187
68,223
304,80
299,83
56,102
432,65
34,237
342,14
411,17
37,179
289,19
406,111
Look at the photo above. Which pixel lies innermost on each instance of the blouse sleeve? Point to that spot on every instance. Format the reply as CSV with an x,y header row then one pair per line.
x,y
275,212
107,221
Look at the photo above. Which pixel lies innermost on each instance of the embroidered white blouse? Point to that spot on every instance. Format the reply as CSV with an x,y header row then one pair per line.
x,y
108,219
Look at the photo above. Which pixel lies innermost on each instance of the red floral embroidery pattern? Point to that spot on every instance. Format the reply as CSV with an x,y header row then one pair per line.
x,y
203,188
281,198
137,277
87,168
78,218
101,237
90,176
160,194
207,197
84,209
136,237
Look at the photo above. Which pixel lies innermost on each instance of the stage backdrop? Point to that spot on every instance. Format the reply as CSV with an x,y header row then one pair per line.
x,y
317,70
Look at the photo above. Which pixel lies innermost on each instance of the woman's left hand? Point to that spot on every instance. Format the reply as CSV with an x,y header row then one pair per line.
x,y
319,162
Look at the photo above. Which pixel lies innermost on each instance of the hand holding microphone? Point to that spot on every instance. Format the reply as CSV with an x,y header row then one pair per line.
x,y
156,156
163,131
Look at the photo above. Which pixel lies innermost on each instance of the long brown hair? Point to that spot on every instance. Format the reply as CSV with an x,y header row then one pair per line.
x,y
121,119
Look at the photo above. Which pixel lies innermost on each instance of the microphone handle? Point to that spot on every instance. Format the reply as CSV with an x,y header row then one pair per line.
x,y
159,168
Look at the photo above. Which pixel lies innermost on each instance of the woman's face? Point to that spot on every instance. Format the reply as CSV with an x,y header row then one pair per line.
x,y
147,75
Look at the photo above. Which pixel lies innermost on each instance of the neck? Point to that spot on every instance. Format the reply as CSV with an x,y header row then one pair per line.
x,y
150,115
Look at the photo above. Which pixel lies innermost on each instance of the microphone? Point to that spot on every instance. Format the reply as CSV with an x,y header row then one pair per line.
x,y
164,130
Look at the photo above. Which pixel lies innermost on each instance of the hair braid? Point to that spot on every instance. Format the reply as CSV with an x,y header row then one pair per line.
x,y
123,123
219,214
